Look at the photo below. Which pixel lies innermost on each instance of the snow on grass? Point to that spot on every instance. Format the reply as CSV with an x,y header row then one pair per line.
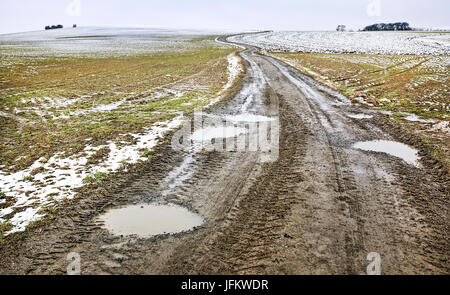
x,y
234,70
57,178
49,181
443,126
98,41
350,42
98,109
415,118
359,116
130,154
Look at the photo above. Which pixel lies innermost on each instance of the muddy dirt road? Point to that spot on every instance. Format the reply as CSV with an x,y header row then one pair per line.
x,y
320,208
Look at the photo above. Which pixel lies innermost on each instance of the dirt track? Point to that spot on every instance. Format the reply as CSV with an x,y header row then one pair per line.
x,y
321,208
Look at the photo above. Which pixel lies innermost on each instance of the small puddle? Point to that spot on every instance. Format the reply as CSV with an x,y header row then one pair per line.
x,y
393,148
233,126
210,133
360,116
149,220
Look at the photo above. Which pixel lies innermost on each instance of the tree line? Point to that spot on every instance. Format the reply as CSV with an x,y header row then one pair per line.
x,y
389,27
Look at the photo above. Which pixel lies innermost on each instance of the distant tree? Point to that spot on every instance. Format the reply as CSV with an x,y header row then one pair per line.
x,y
388,27
405,27
54,27
341,28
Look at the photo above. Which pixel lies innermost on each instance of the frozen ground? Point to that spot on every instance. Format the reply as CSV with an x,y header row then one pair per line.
x,y
98,41
159,90
59,176
400,83
350,42
319,208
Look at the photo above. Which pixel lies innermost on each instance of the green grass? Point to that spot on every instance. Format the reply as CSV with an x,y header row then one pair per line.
x,y
412,83
4,227
39,129
27,178
397,83
96,177
437,151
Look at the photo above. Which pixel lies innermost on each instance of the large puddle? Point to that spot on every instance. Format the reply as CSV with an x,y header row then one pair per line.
x,y
212,132
396,149
150,220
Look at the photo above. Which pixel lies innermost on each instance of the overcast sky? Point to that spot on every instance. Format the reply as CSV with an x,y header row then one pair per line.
x,y
28,15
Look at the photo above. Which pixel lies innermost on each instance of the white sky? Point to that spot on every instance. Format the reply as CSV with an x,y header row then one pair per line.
x,y
28,15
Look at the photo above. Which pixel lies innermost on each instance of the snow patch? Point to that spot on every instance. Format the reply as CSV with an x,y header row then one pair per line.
x,y
442,127
360,116
349,42
58,177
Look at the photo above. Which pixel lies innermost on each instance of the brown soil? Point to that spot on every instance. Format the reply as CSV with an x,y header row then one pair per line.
x,y
320,209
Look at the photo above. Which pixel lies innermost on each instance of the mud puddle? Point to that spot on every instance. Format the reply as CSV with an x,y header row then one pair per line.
x,y
393,148
149,220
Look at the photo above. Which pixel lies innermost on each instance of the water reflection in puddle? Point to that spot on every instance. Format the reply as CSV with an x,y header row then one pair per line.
x,y
149,220
396,149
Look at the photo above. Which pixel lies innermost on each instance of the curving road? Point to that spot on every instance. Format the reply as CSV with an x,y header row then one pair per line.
x,y
319,207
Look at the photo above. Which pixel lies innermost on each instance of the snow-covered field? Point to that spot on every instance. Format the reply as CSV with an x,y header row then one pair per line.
x,y
350,42
59,176
99,41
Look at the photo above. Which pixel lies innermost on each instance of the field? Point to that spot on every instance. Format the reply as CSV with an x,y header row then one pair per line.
x,y
398,83
403,74
412,89
301,179
70,114
351,42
